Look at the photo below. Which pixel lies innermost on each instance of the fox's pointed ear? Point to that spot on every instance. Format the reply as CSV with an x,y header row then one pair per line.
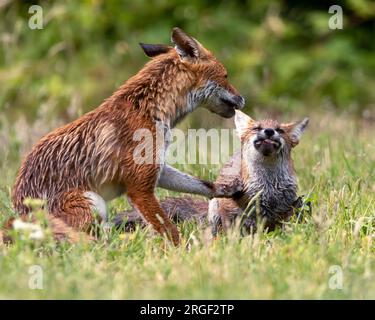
x,y
186,46
296,129
243,122
153,50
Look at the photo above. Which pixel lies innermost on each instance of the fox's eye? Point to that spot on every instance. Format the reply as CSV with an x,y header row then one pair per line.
x,y
279,130
256,129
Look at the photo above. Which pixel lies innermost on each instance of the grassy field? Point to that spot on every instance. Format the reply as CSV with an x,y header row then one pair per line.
x,y
328,256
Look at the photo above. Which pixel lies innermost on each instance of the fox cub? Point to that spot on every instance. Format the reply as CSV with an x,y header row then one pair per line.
x,y
79,166
263,166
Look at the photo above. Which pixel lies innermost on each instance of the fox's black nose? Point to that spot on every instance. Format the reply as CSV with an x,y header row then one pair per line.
x,y
269,132
240,102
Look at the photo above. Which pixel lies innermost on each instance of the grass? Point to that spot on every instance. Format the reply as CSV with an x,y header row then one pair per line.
x,y
335,163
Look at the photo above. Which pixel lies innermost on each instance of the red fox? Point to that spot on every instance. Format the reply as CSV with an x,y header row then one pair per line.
x,y
77,167
265,168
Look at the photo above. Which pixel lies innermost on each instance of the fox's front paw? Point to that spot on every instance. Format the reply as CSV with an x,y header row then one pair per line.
x,y
228,190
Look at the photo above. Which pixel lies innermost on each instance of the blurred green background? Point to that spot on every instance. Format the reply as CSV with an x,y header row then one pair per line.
x,y
284,59
280,55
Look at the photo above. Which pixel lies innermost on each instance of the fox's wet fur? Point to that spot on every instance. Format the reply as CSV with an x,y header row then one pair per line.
x,y
77,167
263,166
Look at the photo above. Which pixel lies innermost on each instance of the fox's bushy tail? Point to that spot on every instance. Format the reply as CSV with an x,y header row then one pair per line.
x,y
178,209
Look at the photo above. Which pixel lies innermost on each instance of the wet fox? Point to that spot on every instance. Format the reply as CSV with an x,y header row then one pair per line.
x,y
267,172
265,168
79,166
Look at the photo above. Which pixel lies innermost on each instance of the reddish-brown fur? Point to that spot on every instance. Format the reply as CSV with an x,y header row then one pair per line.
x,y
273,182
96,150
240,170
178,209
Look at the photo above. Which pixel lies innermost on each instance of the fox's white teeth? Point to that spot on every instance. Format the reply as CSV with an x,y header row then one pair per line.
x,y
270,141
266,141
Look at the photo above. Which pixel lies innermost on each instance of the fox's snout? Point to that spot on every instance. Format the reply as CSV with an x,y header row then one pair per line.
x,y
238,102
269,132
267,141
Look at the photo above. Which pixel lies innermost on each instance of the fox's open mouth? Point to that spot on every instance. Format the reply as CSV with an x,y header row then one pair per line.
x,y
267,146
260,142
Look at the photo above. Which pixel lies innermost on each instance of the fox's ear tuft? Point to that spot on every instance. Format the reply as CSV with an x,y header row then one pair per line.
x,y
153,50
297,129
186,46
243,122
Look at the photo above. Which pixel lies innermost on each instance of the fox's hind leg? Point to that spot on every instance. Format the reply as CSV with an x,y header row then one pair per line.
x,y
76,208
69,213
